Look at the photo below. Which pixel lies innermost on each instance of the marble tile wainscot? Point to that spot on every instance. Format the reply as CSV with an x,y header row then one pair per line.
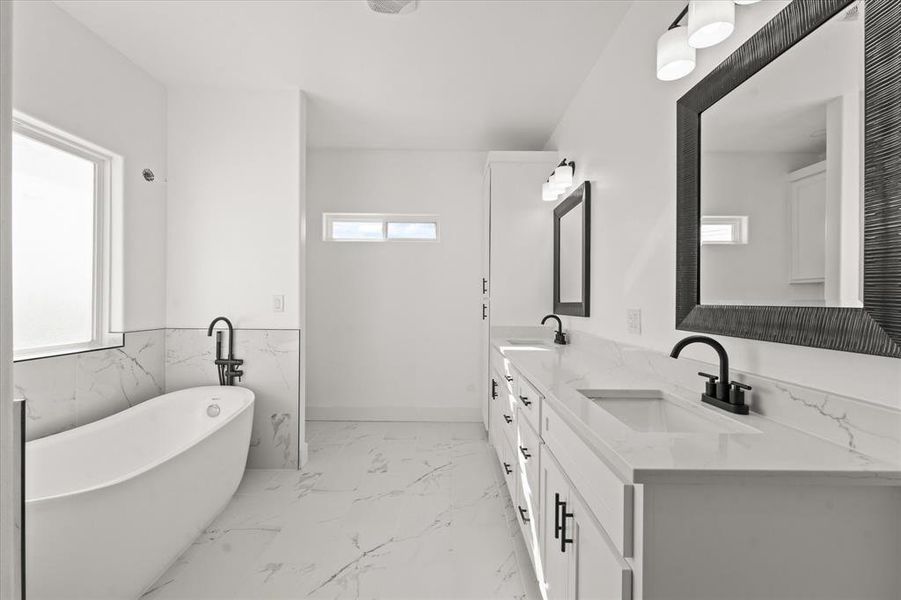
x,y
63,392
272,370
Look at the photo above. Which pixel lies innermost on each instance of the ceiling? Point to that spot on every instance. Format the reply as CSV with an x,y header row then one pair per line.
x,y
462,75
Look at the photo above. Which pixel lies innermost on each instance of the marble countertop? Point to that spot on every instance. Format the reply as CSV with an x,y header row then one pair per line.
x,y
765,449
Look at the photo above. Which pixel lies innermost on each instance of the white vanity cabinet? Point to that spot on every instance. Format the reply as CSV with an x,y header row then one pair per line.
x,y
580,562
767,532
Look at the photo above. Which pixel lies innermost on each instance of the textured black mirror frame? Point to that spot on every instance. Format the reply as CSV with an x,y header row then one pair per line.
x,y
875,328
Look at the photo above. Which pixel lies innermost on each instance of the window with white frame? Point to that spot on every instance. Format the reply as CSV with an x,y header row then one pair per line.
x,y
61,205
368,227
725,230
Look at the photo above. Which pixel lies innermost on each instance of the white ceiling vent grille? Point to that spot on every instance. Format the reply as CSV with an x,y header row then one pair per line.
x,y
392,7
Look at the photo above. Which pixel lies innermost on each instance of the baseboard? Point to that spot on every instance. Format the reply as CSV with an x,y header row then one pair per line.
x,y
394,413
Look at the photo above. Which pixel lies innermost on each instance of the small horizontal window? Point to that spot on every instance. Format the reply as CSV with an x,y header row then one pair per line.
x,y
362,227
724,230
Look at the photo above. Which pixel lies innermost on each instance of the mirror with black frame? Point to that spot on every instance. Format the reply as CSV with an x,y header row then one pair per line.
x,y
572,246
781,185
788,183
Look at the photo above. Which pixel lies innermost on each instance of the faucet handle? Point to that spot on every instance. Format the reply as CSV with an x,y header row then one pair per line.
x,y
737,392
710,387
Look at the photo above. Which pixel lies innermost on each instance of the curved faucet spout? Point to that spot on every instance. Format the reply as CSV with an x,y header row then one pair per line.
x,y
231,333
723,383
559,336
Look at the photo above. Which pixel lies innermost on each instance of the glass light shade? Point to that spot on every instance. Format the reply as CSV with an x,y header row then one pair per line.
x,y
563,175
710,22
744,2
548,193
675,58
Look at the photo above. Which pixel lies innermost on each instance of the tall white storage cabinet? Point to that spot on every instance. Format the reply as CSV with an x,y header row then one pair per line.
x,y
517,279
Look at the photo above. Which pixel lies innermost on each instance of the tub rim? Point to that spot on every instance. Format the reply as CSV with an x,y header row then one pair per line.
x,y
144,468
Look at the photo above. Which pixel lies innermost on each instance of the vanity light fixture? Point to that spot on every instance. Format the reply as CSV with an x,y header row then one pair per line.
x,y
710,22
560,180
675,57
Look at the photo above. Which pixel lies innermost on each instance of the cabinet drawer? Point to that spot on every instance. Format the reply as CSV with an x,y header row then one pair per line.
x,y
526,507
508,464
528,449
607,496
529,401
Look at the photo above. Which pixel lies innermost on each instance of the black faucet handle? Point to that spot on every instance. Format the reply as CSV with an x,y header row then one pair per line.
x,y
737,392
710,386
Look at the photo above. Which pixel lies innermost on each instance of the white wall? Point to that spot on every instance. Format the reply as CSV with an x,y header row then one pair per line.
x,y
394,328
621,131
234,207
66,76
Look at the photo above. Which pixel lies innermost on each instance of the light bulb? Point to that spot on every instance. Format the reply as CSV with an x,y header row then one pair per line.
x,y
547,193
563,175
710,22
675,58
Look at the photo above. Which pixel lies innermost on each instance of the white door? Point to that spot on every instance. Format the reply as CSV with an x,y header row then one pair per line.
x,y
486,303
554,494
599,572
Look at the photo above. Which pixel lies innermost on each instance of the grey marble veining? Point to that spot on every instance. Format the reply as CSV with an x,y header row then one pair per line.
x,y
272,371
68,391
870,429
382,510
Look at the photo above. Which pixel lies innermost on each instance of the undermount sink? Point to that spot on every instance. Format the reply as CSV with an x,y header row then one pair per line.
x,y
527,344
650,411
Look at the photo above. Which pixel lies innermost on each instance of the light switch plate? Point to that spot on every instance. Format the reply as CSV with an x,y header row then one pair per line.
x,y
633,320
278,303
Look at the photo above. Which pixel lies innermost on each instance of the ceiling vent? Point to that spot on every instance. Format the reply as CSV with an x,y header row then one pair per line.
x,y
392,7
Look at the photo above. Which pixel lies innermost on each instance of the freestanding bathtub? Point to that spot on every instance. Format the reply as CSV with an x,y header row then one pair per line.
x,y
110,505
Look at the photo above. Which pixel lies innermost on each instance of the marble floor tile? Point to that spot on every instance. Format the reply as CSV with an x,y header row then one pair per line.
x,y
381,510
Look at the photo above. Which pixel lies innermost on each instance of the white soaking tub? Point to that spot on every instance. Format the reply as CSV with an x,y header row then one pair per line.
x,y
110,505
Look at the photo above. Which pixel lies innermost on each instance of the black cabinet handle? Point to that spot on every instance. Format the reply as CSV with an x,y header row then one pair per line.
x,y
507,468
508,418
525,400
525,452
484,311
509,378
560,526
522,514
484,285
493,388
557,505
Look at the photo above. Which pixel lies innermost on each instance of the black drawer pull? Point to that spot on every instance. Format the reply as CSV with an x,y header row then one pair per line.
x,y
522,514
493,388
507,468
525,400
508,418
525,452
562,531
508,378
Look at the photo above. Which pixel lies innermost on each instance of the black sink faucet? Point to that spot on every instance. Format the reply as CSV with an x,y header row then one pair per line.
x,y
559,336
719,391
227,367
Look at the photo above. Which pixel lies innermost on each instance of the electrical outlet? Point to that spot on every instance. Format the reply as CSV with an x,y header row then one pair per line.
x,y
278,303
633,320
